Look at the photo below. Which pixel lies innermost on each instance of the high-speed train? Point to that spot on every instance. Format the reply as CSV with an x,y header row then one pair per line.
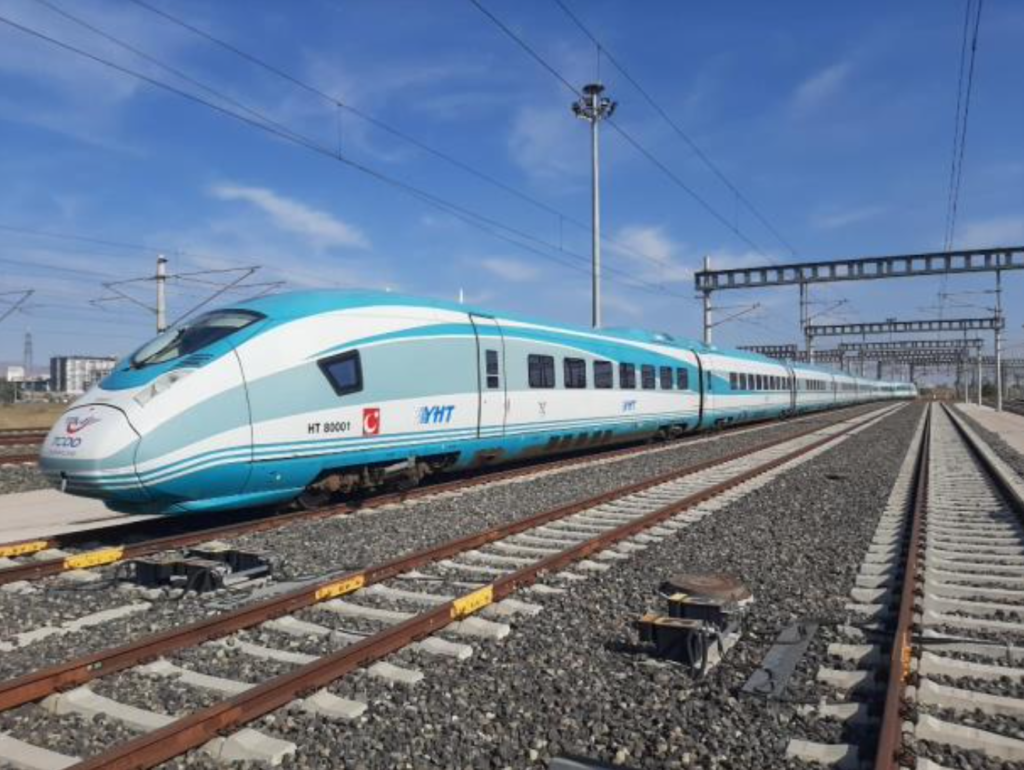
x,y
305,395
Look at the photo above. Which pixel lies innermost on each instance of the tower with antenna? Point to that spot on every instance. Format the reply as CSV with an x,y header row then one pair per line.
x,y
26,358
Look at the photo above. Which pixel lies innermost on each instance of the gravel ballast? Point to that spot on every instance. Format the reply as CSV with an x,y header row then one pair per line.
x,y
574,679
314,548
21,478
1008,454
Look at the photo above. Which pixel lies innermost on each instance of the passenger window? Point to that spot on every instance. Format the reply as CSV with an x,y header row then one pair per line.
x,y
683,379
666,377
575,370
344,372
492,369
627,376
732,381
541,371
603,374
744,381
647,377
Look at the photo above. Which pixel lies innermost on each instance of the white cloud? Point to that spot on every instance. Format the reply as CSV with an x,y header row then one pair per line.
x,y
509,269
724,259
548,144
653,252
837,219
818,88
318,227
996,231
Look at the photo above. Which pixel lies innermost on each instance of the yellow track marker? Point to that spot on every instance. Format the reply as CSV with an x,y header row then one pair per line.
x,y
23,549
470,603
340,588
94,558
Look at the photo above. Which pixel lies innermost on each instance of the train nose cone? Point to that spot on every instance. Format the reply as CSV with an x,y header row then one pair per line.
x,y
90,451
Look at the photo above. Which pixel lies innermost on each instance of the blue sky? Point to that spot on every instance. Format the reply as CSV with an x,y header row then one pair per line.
x,y
836,120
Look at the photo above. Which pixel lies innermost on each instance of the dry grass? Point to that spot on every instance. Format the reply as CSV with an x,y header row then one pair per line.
x,y
31,415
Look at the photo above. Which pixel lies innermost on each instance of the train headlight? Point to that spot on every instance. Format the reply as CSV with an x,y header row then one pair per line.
x,y
161,384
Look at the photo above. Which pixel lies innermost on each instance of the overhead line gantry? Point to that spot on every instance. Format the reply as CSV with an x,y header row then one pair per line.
x,y
804,274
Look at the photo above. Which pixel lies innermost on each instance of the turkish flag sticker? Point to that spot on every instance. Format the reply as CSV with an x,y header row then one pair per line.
x,y
371,421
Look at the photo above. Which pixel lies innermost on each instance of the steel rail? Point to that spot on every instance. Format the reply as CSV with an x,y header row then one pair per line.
x,y
889,750
890,737
192,731
18,459
116,553
38,684
21,439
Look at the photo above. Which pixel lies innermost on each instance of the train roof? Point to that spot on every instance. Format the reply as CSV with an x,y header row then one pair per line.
x,y
297,304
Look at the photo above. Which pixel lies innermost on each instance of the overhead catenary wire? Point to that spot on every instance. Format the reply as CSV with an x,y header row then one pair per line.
x,y
674,125
959,161
957,119
964,84
635,143
389,128
264,123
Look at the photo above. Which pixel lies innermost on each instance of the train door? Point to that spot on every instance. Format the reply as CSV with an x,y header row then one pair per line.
x,y
791,387
491,385
703,388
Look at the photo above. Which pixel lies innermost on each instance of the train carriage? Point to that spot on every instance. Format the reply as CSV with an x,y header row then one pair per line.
x,y
310,394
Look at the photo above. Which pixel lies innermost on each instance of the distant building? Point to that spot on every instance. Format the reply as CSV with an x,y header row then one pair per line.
x,y
15,373
76,374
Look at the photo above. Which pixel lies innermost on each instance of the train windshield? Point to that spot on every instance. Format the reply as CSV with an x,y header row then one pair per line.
x,y
195,334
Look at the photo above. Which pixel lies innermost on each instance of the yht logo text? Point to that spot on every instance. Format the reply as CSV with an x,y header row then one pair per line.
x,y
435,415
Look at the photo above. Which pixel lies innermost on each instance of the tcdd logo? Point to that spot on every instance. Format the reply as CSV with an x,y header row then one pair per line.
x,y
371,421
435,415
629,406
75,424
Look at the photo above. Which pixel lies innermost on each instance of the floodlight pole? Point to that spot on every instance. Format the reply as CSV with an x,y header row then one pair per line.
x,y
594,108
161,293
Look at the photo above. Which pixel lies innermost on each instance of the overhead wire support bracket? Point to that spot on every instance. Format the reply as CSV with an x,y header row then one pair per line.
x,y
892,326
16,305
863,269
118,293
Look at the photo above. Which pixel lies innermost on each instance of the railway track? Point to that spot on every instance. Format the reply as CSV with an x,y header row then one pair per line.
x,y
934,676
18,459
36,558
12,442
469,583
21,437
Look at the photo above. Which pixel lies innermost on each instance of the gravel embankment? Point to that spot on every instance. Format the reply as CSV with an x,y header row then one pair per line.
x,y
574,678
315,548
1009,455
20,478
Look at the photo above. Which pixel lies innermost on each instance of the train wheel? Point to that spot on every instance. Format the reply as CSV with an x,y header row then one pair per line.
x,y
312,499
